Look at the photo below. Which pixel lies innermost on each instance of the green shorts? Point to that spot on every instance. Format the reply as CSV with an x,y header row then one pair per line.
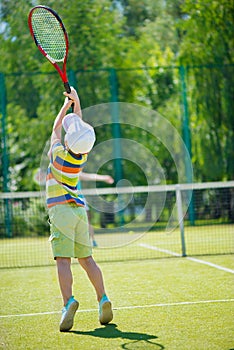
x,y
69,231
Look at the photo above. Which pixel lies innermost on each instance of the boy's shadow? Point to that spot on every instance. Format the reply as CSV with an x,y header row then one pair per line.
x,y
111,331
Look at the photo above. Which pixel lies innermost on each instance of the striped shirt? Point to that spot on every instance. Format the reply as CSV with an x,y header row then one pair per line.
x,y
62,177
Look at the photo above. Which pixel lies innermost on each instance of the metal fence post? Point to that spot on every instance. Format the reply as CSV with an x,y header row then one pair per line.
x,y
5,158
116,130
186,137
116,133
72,78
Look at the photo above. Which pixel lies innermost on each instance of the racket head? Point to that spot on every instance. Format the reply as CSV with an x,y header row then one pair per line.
x,y
50,36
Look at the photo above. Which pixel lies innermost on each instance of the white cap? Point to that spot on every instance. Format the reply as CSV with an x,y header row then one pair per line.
x,y
80,136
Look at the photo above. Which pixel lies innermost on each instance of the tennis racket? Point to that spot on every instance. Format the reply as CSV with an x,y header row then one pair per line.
x,y
50,36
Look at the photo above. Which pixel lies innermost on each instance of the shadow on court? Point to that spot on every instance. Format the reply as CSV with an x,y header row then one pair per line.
x,y
111,331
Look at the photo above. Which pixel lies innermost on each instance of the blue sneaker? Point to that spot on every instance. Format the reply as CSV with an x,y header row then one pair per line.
x,y
68,313
105,310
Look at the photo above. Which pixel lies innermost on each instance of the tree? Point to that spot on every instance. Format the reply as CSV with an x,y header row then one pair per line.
x,y
32,107
138,39
208,40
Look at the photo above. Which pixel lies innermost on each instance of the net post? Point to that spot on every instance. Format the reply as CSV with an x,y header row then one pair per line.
x,y
5,158
180,218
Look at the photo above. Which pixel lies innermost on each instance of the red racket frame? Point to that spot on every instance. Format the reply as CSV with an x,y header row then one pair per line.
x,y
62,72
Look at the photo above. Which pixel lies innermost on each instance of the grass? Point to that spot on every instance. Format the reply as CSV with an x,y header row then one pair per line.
x,y
164,303
158,304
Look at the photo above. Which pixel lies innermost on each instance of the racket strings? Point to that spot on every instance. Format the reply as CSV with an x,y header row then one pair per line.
x,y
49,34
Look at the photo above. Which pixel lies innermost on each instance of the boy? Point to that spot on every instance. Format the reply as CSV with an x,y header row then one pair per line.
x,y
69,225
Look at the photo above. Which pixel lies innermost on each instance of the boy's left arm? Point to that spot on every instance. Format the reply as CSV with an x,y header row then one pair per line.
x,y
95,177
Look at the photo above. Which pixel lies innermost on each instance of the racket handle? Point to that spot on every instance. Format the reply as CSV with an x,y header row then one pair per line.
x,y
68,90
67,87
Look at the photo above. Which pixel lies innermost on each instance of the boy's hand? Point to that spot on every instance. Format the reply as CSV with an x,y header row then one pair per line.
x,y
68,102
73,95
74,98
108,179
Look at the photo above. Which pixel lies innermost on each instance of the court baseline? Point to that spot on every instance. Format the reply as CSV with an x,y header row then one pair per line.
x,y
181,303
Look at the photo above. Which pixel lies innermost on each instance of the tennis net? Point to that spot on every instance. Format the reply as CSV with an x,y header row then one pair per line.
x,y
129,222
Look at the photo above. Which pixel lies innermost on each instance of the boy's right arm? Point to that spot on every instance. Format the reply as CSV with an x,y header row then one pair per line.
x,y
57,127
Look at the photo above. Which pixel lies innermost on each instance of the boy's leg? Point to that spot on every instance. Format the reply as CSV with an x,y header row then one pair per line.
x,y
70,304
95,275
65,277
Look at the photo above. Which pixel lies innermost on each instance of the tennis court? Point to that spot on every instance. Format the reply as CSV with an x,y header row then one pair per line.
x,y
177,303
162,298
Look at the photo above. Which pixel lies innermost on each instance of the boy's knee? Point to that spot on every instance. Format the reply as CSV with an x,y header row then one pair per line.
x,y
63,261
85,261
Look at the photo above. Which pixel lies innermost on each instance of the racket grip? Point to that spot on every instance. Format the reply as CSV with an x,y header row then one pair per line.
x,y
67,87
68,90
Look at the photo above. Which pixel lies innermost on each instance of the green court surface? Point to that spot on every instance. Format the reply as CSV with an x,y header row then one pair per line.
x,y
176,303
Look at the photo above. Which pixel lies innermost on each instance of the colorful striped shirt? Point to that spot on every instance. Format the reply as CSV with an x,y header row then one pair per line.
x,y
62,177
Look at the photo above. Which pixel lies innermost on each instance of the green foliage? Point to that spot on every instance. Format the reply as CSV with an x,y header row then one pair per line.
x,y
212,122
208,39
130,36
208,32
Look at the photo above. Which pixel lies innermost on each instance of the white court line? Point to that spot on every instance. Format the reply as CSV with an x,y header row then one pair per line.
x,y
159,249
211,264
129,307
188,258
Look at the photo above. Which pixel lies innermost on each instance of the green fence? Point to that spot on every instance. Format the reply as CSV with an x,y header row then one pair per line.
x,y
197,100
